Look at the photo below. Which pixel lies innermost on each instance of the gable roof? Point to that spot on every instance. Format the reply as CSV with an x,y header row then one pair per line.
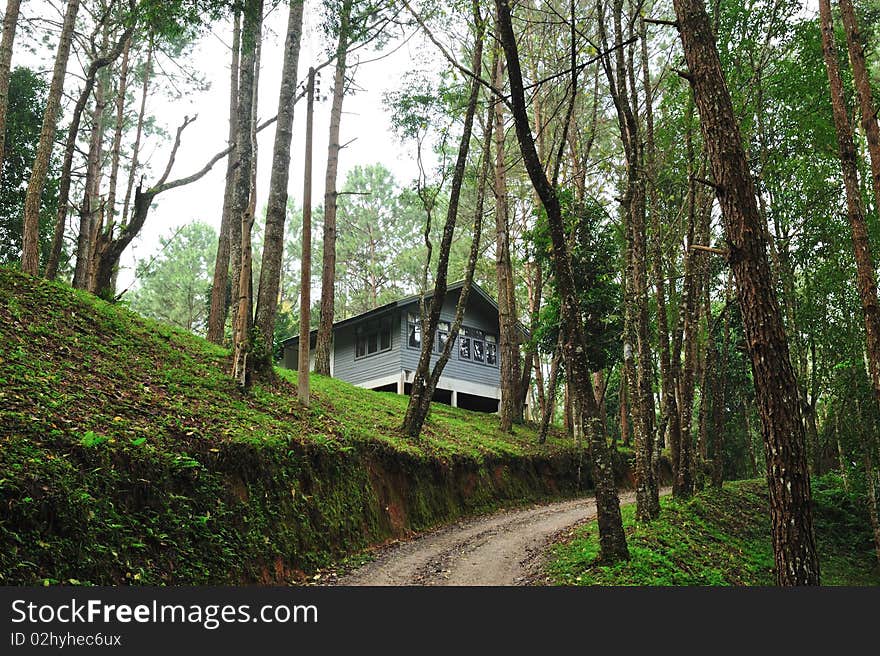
x,y
408,300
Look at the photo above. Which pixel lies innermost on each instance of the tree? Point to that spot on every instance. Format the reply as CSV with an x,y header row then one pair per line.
x,y
220,286
794,546
866,281
328,273
276,210
10,22
30,257
242,213
868,111
420,397
305,287
27,98
173,287
612,539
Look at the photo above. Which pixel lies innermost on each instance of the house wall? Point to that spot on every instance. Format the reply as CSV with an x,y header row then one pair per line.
x,y
400,362
370,367
477,315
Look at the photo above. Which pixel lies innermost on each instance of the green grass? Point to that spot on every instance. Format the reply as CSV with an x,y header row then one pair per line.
x,y
128,455
721,537
73,365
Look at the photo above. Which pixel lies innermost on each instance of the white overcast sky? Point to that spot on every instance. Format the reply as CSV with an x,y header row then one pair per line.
x,y
365,123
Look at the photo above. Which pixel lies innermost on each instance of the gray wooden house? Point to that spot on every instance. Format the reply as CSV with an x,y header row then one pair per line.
x,y
380,349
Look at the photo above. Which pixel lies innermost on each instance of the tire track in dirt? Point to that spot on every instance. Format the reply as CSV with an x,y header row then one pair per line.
x,y
504,548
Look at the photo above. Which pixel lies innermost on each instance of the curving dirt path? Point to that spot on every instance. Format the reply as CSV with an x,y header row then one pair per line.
x,y
503,548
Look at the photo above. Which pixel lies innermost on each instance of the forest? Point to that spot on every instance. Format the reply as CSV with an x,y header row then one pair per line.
x,y
673,202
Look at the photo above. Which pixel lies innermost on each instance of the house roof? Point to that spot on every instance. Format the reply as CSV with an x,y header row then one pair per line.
x,y
407,300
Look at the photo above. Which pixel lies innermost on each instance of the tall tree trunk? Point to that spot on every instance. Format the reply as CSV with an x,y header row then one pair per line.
x,y
865,277
115,153
10,22
420,396
612,539
91,203
550,405
30,256
328,273
667,384
85,94
788,480
708,376
276,209
139,132
508,343
242,365
719,393
637,348
220,284
474,255
682,485
862,80
871,492
305,280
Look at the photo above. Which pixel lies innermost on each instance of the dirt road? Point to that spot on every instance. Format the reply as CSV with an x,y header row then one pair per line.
x,y
503,548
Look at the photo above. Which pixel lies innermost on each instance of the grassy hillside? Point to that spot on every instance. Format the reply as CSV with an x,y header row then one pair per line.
x,y
126,454
723,538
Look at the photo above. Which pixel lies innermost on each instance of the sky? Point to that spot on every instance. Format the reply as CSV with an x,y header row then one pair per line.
x,y
365,127
365,124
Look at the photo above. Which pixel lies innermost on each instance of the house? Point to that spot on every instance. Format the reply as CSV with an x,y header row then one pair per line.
x,y
380,349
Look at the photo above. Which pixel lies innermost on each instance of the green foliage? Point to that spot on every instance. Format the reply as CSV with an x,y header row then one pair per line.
x,y
175,286
595,255
722,537
127,456
27,99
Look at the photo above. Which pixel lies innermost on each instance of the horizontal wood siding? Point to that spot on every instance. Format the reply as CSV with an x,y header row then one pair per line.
x,y
478,314
378,365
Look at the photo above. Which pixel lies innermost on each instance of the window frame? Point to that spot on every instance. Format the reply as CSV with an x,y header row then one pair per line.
x,y
413,320
373,328
477,335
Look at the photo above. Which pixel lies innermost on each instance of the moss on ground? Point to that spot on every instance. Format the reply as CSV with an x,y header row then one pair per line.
x,y
128,455
722,537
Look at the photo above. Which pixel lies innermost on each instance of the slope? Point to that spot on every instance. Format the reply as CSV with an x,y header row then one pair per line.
x,y
127,455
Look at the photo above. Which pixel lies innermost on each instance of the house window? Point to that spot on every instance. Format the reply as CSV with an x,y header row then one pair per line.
x,y
373,337
442,335
477,346
414,331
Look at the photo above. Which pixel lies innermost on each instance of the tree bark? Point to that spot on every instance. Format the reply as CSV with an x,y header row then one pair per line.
x,y
788,480
474,255
116,149
30,257
242,363
637,348
305,280
328,273
219,286
508,343
95,66
10,22
276,209
719,403
420,396
550,403
855,45
866,281
612,539
91,203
